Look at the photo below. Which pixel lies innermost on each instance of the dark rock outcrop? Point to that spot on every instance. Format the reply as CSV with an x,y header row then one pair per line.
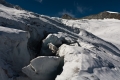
x,y
66,16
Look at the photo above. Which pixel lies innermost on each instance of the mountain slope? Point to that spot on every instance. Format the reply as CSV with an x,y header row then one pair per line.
x,y
105,14
107,29
38,47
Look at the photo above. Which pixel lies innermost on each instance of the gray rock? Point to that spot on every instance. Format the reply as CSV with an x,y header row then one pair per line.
x,y
66,16
53,48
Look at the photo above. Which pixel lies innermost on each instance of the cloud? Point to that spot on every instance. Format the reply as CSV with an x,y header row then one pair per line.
x,y
39,1
66,12
82,9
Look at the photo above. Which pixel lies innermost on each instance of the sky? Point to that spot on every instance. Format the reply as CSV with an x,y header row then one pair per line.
x,y
75,8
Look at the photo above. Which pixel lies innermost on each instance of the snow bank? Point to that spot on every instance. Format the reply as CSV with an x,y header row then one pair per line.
x,y
88,64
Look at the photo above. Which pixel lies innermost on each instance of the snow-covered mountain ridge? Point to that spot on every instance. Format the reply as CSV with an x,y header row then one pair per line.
x,y
104,15
38,47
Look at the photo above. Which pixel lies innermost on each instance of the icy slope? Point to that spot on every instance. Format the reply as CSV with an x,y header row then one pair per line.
x,y
34,47
107,29
89,60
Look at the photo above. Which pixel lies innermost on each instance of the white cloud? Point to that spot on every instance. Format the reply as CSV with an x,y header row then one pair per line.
x,y
80,9
66,12
83,10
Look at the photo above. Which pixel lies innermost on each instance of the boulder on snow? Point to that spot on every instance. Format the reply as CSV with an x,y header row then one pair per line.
x,y
50,39
42,68
52,47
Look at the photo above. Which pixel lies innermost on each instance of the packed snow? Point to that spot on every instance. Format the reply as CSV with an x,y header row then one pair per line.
x,y
39,47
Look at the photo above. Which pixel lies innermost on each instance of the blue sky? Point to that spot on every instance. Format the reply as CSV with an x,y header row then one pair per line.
x,y
75,8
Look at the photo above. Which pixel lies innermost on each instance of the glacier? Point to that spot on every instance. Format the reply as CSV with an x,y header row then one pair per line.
x,y
39,47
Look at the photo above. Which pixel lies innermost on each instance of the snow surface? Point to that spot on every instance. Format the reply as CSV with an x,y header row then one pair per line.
x,y
86,46
107,29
